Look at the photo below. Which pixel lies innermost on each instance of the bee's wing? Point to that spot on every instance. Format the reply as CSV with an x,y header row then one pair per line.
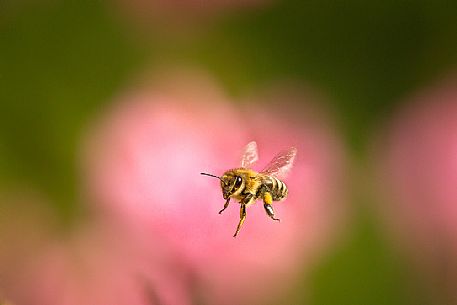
x,y
250,155
281,163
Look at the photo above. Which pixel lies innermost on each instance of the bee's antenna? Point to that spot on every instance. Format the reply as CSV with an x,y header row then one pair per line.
x,y
211,176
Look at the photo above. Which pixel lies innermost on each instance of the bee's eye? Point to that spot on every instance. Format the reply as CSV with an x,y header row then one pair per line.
x,y
238,182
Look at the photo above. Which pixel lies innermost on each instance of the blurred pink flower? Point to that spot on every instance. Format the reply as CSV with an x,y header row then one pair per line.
x,y
98,264
418,173
142,166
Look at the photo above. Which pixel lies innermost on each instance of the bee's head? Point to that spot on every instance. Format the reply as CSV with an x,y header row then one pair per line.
x,y
230,183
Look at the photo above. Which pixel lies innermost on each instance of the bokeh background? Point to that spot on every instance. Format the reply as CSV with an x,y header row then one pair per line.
x,y
378,77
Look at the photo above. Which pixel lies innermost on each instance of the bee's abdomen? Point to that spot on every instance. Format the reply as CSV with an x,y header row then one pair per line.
x,y
277,188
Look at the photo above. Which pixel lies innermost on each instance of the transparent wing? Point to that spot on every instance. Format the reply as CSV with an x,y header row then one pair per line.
x,y
250,155
281,164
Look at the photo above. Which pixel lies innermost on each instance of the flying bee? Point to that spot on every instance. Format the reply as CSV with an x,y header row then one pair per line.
x,y
246,185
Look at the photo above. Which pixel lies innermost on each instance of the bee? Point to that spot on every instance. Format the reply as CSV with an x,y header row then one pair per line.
x,y
246,185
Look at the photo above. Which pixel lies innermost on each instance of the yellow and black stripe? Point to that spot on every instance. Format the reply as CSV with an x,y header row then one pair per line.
x,y
276,187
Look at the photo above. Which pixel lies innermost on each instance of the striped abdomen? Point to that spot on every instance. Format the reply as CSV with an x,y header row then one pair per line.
x,y
276,187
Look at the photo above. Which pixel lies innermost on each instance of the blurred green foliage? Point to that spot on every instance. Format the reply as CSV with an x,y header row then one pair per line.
x,y
365,270
60,61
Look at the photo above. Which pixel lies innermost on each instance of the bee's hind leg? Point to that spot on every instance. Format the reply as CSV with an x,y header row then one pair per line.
x,y
225,205
267,201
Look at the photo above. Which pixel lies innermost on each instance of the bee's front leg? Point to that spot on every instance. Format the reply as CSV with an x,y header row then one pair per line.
x,y
225,205
268,200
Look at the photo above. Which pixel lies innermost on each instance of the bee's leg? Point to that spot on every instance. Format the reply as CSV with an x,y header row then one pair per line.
x,y
246,201
242,218
225,205
267,201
